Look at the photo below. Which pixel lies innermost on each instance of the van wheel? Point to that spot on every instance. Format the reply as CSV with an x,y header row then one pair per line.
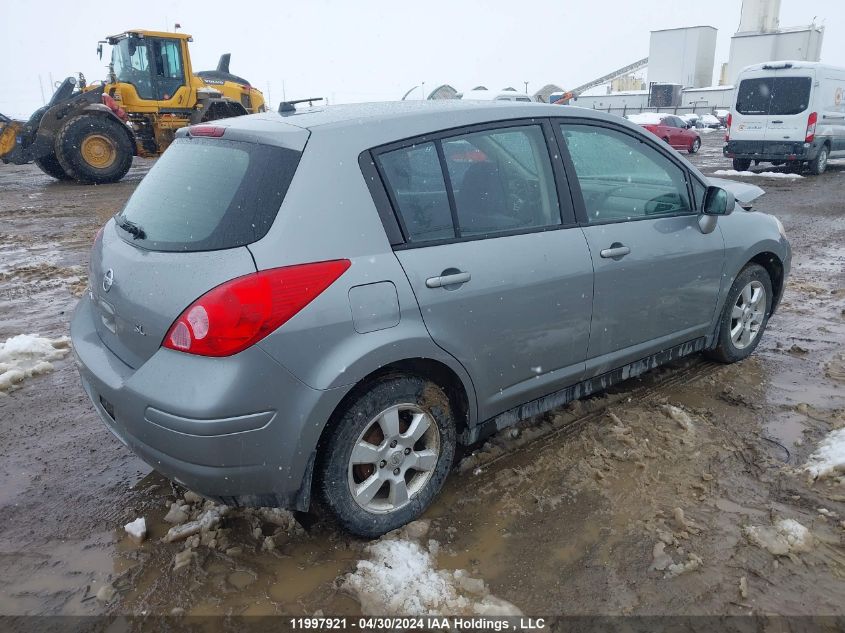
x,y
696,145
388,455
742,164
819,163
745,315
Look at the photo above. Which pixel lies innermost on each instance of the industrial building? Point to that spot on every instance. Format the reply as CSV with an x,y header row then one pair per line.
x,y
680,66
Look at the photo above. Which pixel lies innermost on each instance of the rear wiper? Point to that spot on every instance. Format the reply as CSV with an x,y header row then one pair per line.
x,y
133,229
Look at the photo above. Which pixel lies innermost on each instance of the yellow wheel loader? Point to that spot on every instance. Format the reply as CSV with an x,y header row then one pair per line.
x,y
89,133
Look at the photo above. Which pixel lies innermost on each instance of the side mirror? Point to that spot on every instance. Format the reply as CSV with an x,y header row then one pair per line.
x,y
718,201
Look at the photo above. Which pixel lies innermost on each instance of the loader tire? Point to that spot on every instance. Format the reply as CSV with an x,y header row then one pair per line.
x,y
49,164
93,149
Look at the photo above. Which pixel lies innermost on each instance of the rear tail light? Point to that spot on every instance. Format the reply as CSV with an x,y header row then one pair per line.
x,y
811,127
239,313
206,130
728,127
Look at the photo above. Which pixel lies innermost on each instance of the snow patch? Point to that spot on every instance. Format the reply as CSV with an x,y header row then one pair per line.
x,y
27,355
829,457
785,537
137,529
762,174
401,578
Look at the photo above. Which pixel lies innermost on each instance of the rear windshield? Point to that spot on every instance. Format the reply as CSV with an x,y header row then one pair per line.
x,y
208,194
775,96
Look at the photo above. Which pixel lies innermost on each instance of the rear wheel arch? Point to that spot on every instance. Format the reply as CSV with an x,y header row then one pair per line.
x,y
429,369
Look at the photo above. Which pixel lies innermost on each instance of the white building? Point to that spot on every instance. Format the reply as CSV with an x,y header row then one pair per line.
x,y
682,56
802,43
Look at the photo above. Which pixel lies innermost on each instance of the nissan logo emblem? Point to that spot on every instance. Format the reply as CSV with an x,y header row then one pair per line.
x,y
108,280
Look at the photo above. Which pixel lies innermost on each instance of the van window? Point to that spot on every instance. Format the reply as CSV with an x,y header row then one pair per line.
x,y
209,194
775,96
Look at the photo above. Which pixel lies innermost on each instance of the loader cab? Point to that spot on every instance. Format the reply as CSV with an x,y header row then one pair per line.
x,y
155,66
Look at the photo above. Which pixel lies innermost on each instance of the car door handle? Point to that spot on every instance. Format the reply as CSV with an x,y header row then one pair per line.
x,y
452,279
616,250
777,121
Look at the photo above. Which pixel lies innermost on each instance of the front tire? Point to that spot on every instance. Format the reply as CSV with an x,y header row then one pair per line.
x,y
745,315
696,145
742,164
94,149
388,455
819,163
50,165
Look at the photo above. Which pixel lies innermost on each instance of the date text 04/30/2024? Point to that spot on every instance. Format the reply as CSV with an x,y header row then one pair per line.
x,y
474,623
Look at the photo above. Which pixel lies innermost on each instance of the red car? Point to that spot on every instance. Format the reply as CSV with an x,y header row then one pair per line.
x,y
672,129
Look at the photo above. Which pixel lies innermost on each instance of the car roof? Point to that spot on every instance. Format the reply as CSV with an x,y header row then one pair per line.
x,y
434,114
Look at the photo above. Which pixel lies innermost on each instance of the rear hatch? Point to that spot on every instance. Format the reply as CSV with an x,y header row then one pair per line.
x,y
771,107
184,231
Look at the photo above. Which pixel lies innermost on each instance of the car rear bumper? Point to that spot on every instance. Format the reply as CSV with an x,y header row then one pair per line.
x,y
772,150
241,429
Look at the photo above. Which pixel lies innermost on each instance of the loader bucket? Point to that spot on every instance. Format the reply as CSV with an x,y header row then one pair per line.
x,y
9,132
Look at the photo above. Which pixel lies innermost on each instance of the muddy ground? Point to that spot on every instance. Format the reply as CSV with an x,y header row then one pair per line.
x,y
634,502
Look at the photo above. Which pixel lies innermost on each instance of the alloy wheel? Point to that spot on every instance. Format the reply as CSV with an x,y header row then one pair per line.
x,y
393,458
748,314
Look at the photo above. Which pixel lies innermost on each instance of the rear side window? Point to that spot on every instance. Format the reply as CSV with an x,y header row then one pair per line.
x,y
776,96
418,189
210,194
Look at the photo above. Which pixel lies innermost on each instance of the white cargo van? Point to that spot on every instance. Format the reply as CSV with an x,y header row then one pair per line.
x,y
787,112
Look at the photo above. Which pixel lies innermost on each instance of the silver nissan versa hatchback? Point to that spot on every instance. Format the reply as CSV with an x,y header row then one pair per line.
x,y
319,305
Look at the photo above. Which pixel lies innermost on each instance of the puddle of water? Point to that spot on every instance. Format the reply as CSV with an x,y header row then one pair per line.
x,y
53,577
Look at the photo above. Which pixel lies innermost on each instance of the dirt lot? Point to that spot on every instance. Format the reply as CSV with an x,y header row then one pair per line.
x,y
662,497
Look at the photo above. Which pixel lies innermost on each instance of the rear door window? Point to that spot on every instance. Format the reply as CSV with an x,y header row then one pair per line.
x,y
209,194
499,180
502,180
776,96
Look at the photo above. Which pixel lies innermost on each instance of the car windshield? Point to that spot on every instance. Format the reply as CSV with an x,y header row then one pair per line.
x,y
773,95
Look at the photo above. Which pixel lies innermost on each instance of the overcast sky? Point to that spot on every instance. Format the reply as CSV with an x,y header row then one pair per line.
x,y
374,49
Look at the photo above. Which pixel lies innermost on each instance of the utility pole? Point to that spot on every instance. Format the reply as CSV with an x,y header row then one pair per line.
x,y
41,85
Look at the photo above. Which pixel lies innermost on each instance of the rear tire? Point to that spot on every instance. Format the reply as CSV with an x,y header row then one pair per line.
x,y
745,315
819,163
50,165
94,149
373,475
696,145
742,164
